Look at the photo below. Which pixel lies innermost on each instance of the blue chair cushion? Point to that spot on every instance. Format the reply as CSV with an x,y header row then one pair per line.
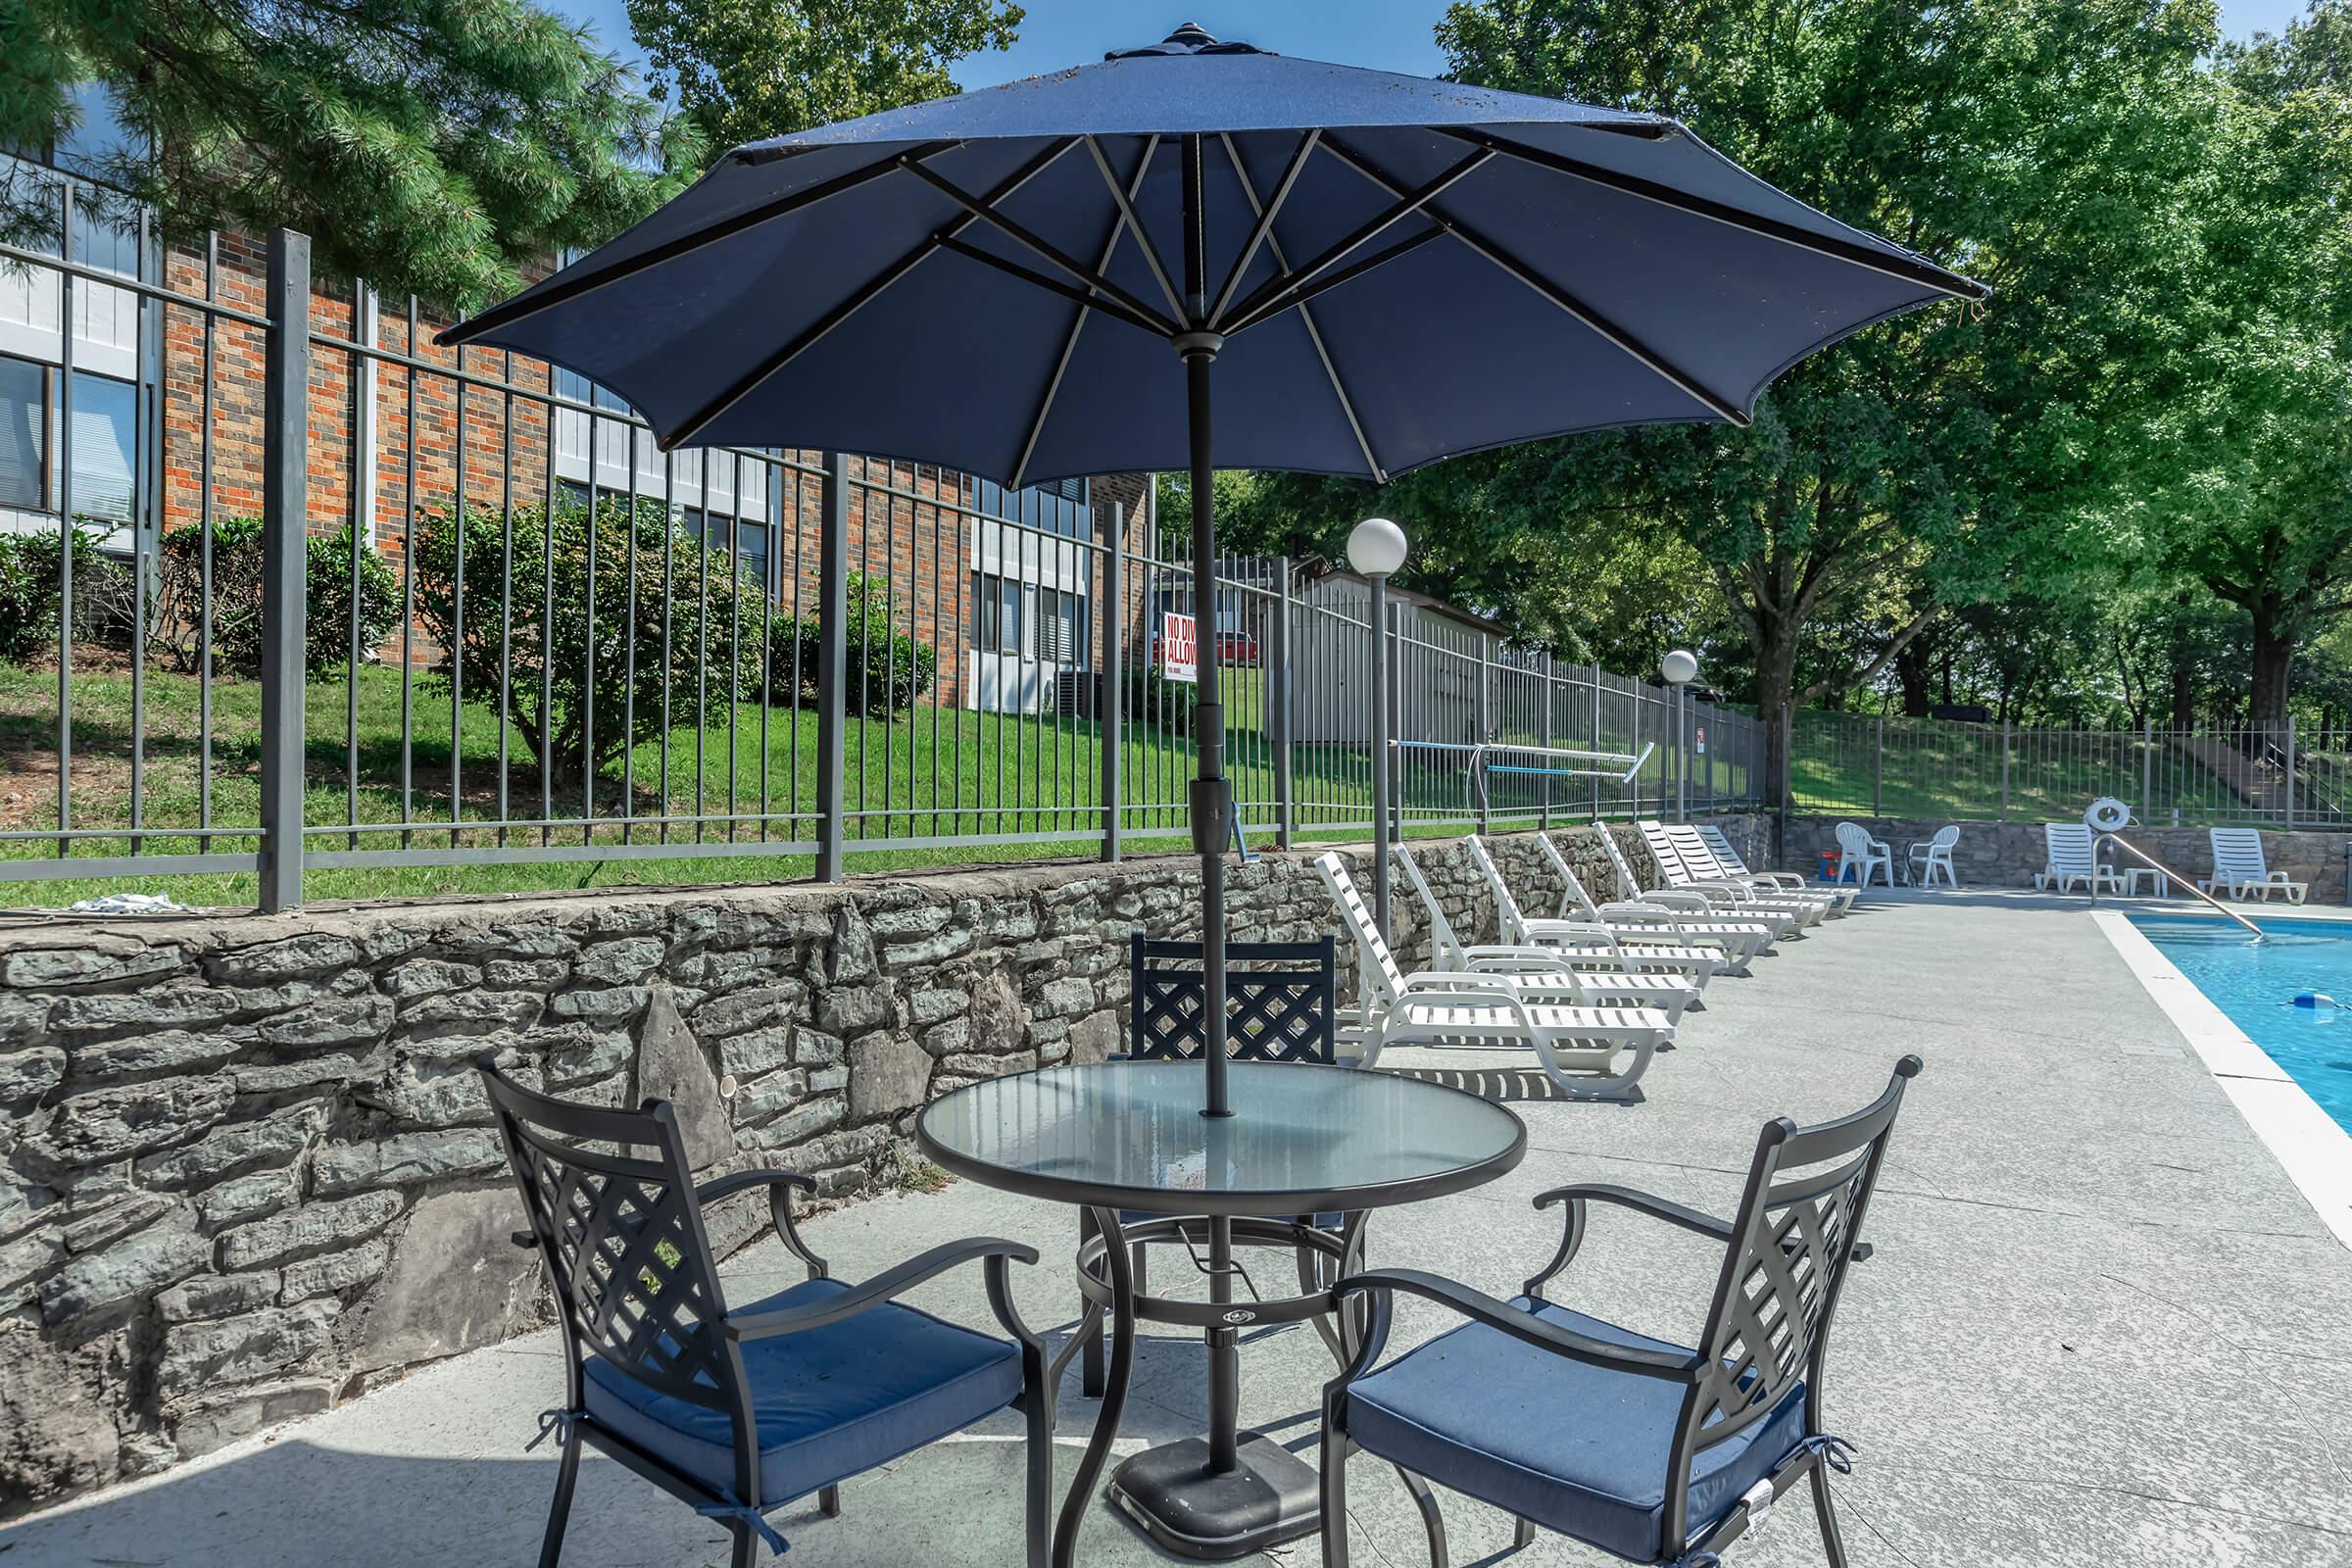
x,y
829,1404
1577,1449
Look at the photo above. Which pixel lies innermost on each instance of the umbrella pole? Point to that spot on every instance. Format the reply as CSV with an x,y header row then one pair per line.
x,y
1212,801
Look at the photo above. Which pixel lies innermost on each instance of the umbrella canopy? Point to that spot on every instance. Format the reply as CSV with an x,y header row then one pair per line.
x,y
1035,281
1401,270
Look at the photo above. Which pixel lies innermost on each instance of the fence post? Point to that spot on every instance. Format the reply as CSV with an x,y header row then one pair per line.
x,y
285,512
1110,708
1548,684
2147,768
832,658
1277,688
1485,717
2004,770
1877,767
2290,772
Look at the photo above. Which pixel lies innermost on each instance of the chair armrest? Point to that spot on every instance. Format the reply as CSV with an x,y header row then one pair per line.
x,y
780,1185
1642,1203
883,1287
1576,1195
1520,1324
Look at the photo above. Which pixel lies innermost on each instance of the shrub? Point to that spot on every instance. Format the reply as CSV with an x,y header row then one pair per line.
x,y
1154,699
887,669
702,671
239,637
103,604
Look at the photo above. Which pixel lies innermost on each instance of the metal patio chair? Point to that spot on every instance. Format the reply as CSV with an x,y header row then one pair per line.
x,y
736,1412
1652,1452
1281,1005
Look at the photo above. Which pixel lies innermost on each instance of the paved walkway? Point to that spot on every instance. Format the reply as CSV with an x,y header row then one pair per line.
x,y
2101,1326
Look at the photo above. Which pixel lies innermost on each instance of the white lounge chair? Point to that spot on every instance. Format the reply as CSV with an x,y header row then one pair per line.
x,y
2074,858
1584,966
2238,866
1696,870
1706,907
1927,857
1431,1009
1860,854
1727,854
1651,935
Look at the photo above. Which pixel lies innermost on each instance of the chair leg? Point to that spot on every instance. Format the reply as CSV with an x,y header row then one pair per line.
x,y
1090,1360
747,1548
1832,1542
1334,1473
567,1475
828,1502
1037,1419
1523,1534
1432,1521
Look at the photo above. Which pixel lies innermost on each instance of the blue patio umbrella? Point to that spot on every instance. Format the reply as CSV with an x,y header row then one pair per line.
x,y
1050,278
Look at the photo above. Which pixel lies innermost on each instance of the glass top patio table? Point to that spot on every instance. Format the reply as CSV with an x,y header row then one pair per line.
x,y
1131,1135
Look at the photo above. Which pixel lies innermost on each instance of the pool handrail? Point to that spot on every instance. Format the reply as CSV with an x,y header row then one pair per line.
x,y
2170,875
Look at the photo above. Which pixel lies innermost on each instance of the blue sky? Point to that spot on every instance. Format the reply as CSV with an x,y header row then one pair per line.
x,y
1391,34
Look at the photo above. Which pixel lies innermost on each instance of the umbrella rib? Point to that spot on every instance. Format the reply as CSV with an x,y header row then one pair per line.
x,y
863,295
1054,285
1623,340
1043,247
1070,341
562,289
1291,298
1407,204
1127,215
1909,268
1306,318
1266,213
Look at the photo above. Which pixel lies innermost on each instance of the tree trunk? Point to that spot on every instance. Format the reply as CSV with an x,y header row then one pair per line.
x,y
2274,653
1915,668
1775,694
2185,695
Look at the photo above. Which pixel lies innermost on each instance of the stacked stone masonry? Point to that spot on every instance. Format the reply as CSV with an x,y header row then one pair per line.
x,y
246,1170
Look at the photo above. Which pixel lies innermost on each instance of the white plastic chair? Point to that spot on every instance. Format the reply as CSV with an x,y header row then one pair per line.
x,y
2240,868
1862,854
1927,857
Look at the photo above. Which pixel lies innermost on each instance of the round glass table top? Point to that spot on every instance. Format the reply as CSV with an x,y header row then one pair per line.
x,y
1131,1135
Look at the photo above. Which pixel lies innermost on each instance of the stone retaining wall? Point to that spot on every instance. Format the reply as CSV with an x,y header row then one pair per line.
x,y
246,1171
2006,855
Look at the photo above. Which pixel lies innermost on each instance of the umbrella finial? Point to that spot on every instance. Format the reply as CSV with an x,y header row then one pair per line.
x,y
1191,38
1191,34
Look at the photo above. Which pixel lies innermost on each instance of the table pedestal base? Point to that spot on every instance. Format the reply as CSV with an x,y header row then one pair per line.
x,y
1268,1497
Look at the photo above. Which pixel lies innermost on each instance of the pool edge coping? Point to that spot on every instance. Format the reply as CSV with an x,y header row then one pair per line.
x,y
2315,1153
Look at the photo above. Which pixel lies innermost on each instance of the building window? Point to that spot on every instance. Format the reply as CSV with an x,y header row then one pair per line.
x,y
104,446
997,612
1060,627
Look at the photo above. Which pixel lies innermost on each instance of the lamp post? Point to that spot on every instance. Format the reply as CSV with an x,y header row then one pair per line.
x,y
1376,548
1681,667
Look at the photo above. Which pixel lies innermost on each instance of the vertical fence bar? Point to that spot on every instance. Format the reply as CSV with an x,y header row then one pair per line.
x,y
2290,772
2004,770
1278,695
1115,675
1877,767
832,678
2147,768
1486,718
285,506
67,532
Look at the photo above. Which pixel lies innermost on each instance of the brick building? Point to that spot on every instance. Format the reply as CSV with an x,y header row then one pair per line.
x,y
166,402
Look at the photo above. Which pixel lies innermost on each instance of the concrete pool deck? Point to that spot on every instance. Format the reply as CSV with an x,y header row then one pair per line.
x,y
2101,1324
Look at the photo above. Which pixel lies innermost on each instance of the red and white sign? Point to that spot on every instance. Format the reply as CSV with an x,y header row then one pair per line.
x,y
1702,740
1179,649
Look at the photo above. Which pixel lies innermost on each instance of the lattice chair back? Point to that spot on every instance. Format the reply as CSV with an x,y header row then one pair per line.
x,y
1792,1242
1280,1001
634,1278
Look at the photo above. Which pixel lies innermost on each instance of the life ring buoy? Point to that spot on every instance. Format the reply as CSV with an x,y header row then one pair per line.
x,y
2107,815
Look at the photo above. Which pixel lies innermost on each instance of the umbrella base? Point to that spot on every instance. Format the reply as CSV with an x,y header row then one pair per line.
x,y
1268,1497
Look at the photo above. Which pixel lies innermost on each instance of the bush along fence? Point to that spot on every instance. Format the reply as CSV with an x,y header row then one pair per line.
x,y
377,604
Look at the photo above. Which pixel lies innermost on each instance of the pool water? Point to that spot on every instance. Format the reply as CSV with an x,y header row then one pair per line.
x,y
2255,985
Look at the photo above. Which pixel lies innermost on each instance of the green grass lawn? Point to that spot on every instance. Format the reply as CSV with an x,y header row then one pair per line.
x,y
937,771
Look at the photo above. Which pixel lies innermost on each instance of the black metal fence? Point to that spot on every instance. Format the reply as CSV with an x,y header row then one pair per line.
x,y
372,603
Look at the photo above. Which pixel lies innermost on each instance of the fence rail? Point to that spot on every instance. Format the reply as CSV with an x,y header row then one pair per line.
x,y
2284,777
364,605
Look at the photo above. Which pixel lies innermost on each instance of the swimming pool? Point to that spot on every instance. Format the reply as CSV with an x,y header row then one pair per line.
x,y
2255,984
